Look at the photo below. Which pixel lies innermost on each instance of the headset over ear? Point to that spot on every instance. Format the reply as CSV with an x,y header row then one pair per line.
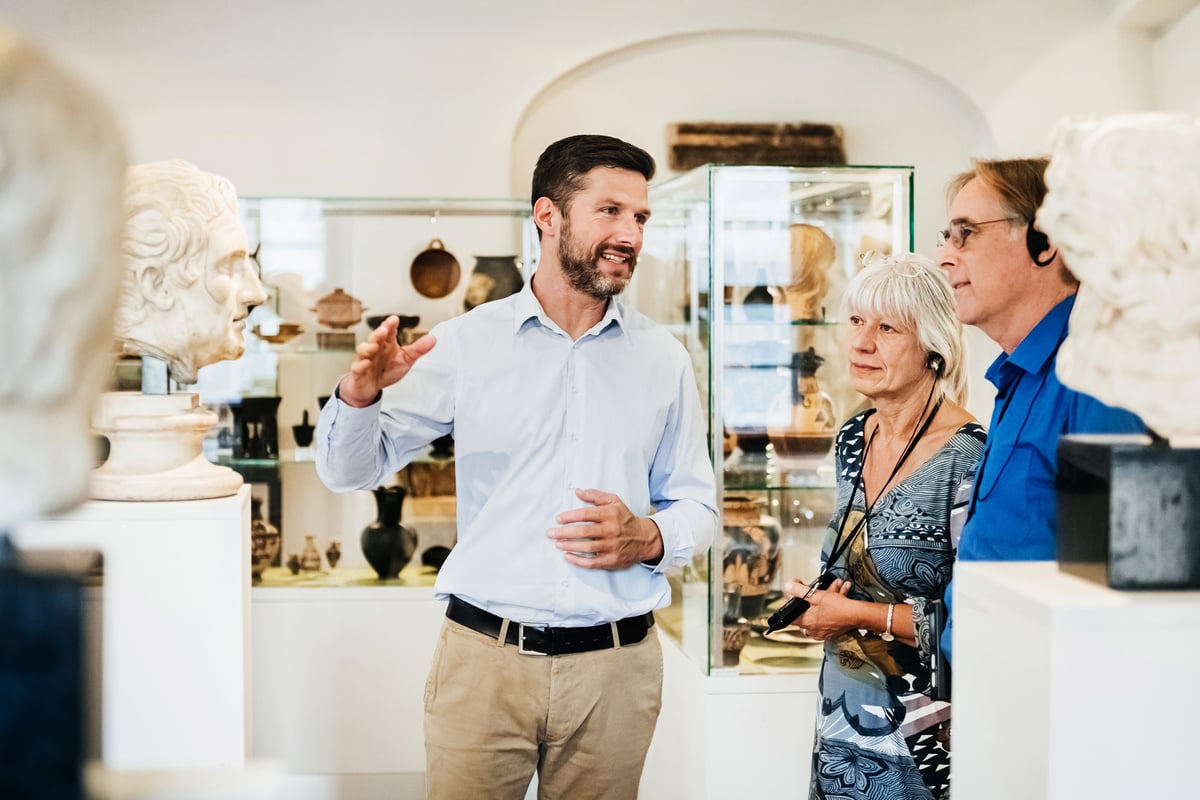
x,y
936,363
1037,243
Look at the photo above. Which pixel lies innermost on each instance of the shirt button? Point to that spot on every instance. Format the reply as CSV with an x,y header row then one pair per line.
x,y
574,437
565,584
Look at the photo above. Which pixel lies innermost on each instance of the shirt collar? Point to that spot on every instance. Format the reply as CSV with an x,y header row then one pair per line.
x,y
1039,346
527,307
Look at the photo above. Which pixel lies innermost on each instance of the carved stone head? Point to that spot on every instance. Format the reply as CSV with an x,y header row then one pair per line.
x,y
189,280
1122,203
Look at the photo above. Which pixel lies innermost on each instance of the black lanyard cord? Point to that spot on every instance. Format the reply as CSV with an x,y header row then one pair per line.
x,y
843,540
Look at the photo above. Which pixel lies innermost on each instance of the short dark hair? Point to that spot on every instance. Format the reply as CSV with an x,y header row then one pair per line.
x,y
561,166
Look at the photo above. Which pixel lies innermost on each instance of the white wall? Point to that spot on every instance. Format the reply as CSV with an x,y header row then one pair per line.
x,y
1178,64
455,99
399,98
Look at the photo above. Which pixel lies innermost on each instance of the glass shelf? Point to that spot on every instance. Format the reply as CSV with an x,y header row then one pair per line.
x,y
747,266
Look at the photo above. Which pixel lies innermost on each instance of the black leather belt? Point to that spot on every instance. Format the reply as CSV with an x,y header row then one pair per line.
x,y
542,641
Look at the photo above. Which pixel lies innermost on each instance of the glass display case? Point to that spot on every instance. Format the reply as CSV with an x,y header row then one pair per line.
x,y
333,268
747,265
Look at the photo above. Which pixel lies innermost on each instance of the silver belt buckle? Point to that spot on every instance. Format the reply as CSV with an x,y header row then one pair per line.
x,y
521,626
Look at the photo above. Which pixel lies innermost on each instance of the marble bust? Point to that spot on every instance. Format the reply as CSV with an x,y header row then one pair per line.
x,y
189,280
62,163
1121,204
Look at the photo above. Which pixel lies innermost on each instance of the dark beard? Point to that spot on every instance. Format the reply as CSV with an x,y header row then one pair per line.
x,y
580,267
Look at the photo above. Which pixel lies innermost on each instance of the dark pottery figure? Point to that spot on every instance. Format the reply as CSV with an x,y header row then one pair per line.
x,y
333,553
386,544
435,556
256,425
443,447
303,433
406,322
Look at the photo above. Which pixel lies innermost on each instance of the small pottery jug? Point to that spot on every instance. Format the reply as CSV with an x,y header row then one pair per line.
x,y
386,544
310,558
333,553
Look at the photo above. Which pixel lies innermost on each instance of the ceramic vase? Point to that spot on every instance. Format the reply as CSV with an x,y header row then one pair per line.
x,y
751,550
386,544
802,425
310,556
493,278
265,541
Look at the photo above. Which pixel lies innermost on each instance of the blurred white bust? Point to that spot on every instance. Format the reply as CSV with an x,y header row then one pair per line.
x,y
62,164
189,280
1124,206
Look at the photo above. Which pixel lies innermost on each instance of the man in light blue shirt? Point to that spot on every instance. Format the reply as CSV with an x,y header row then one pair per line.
x,y
1011,282
582,476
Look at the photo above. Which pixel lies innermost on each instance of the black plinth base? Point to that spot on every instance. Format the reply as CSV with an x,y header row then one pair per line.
x,y
1129,512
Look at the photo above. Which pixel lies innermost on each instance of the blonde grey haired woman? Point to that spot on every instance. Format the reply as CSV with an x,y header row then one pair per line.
x,y
889,548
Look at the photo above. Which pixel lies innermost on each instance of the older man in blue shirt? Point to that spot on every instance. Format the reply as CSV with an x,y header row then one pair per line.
x,y
1011,283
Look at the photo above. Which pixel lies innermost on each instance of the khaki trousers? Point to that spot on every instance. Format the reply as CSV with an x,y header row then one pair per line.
x,y
583,721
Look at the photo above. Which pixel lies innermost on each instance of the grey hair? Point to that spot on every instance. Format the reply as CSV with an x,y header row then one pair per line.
x,y
911,289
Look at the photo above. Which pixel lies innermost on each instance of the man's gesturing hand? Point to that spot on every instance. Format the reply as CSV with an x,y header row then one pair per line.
x,y
380,362
611,536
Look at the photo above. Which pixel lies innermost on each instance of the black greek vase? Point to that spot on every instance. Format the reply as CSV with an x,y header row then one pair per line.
x,y
386,544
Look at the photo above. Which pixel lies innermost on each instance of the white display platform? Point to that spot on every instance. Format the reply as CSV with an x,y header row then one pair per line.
x,y
1065,689
173,689
735,736
340,663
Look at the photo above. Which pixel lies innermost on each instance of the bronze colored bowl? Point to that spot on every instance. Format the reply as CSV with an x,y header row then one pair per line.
x,y
435,271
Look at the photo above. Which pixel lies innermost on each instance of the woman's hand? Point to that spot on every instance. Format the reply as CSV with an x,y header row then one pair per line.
x,y
830,611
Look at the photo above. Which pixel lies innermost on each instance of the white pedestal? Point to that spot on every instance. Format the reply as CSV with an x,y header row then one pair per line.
x,y
174,677
735,736
1065,689
339,676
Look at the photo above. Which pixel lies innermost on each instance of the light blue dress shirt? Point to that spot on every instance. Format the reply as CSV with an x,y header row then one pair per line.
x,y
536,415
1014,505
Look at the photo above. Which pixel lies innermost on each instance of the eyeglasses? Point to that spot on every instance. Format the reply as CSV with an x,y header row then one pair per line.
x,y
959,230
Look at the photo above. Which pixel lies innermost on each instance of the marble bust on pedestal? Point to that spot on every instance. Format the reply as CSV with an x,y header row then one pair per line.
x,y
189,283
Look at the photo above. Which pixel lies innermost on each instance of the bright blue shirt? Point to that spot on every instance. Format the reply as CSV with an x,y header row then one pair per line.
x,y
536,415
1013,512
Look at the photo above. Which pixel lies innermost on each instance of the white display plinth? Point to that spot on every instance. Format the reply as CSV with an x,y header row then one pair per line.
x,y
730,736
339,672
174,683
1065,689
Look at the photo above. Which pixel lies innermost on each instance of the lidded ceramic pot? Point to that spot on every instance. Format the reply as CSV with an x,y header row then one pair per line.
x,y
339,310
